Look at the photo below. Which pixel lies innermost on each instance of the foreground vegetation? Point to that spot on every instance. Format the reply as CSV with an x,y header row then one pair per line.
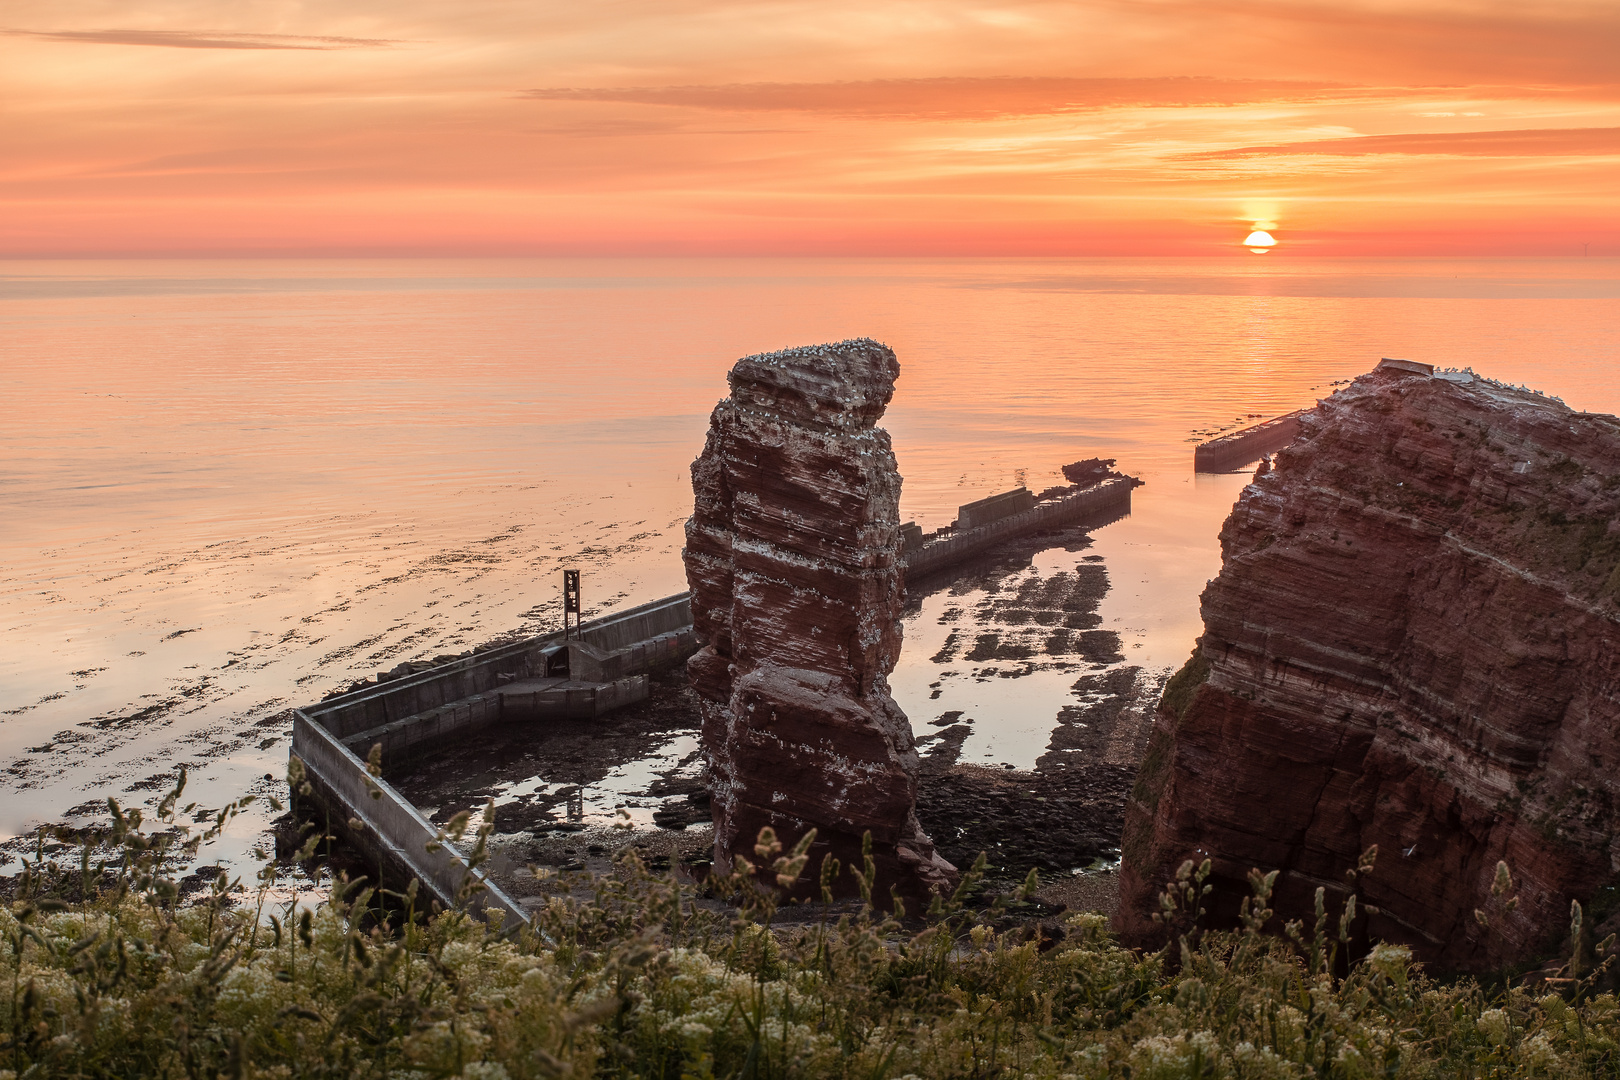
x,y
110,972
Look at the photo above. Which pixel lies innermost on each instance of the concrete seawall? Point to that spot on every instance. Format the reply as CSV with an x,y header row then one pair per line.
x,y
455,699
1250,444
519,683
412,695
378,821
1110,496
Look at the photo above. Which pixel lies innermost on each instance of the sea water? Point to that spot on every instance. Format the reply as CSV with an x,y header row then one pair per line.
x,y
228,488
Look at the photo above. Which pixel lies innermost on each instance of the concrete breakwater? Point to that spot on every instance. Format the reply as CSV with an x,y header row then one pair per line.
x,y
602,667
522,682
1233,451
930,556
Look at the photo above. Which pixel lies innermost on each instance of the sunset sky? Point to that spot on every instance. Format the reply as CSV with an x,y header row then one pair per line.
x,y
904,127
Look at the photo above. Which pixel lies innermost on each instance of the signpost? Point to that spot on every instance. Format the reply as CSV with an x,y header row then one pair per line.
x,y
570,599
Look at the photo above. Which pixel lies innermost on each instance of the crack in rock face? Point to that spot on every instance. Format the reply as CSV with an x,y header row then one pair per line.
x,y
1414,642
793,557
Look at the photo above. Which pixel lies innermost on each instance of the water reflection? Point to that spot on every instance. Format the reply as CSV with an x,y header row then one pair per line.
x,y
238,486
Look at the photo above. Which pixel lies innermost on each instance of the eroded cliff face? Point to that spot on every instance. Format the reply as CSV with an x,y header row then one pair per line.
x,y
793,556
1414,642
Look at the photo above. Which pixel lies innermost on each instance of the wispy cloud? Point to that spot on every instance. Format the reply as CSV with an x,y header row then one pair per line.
x,y
1534,142
204,39
803,124
1553,42
963,98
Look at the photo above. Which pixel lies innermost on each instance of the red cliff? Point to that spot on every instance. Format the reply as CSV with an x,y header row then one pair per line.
x,y
793,556
1414,642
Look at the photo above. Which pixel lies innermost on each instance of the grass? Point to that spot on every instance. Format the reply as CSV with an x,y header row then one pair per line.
x,y
111,973
1179,691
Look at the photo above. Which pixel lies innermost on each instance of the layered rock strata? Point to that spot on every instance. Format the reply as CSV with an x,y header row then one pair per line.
x,y
793,556
1414,642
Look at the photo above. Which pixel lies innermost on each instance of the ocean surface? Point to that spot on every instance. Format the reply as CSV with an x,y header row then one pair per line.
x,y
227,488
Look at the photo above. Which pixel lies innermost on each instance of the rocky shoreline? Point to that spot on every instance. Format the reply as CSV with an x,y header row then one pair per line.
x,y
1062,818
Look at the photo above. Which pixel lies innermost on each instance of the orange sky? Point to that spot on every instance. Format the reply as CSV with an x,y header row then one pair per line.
x,y
832,126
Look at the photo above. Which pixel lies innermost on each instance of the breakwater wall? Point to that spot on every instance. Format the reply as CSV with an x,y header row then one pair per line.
x,y
1233,451
1108,497
412,695
520,683
454,699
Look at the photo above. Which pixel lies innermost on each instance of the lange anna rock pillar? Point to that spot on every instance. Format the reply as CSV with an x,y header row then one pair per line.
x,y
793,556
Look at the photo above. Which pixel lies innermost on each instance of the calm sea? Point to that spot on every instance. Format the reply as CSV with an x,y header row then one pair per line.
x,y
228,487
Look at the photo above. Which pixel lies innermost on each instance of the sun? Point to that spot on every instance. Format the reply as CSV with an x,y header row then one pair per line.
x,y
1260,241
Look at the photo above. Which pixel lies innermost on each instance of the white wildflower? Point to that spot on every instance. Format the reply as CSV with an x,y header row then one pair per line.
x,y
1494,1025
1538,1054
1390,961
459,954
1165,1056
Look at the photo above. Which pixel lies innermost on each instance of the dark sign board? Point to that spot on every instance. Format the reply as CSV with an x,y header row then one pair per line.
x,y
570,599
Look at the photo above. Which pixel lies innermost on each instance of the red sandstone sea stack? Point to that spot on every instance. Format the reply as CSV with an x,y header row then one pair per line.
x,y
1414,642
793,556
